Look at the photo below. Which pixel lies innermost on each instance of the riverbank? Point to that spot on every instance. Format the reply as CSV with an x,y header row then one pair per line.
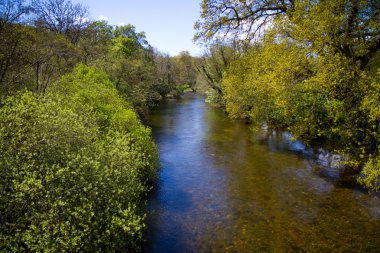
x,y
224,188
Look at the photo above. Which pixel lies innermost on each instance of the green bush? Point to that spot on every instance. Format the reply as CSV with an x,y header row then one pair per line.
x,y
370,176
75,166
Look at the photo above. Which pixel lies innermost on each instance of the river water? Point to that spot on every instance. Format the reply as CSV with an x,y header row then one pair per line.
x,y
223,188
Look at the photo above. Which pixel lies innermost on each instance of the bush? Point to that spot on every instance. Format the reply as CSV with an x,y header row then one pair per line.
x,y
370,176
75,166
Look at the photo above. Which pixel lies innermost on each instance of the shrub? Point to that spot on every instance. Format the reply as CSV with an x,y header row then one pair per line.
x,y
370,176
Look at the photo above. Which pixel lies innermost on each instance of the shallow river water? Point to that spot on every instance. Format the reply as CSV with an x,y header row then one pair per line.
x,y
223,188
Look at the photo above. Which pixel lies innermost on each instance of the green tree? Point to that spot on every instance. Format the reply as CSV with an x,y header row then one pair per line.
x,y
185,71
165,73
212,67
313,72
130,65
347,27
260,85
75,167
95,41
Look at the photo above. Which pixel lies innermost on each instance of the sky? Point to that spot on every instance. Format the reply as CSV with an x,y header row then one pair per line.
x,y
168,24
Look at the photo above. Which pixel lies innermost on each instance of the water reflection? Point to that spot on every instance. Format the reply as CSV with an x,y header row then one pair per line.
x,y
224,189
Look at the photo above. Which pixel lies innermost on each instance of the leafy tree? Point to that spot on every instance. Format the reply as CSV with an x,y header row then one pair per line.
x,y
313,73
185,70
370,106
260,86
51,56
347,27
212,67
74,168
95,41
33,59
14,44
130,65
370,174
165,73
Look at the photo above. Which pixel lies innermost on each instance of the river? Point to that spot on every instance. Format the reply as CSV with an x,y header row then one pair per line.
x,y
224,188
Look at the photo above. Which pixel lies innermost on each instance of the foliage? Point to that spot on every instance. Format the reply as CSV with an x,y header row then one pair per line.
x,y
185,70
347,27
212,67
214,98
370,176
96,39
74,168
256,85
313,73
370,106
130,64
33,59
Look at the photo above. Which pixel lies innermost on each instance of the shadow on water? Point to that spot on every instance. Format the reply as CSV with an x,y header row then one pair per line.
x,y
224,189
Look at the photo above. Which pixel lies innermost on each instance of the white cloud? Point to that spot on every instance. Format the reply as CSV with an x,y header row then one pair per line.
x,y
121,24
102,17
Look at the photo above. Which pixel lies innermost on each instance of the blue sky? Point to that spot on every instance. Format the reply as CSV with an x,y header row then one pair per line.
x,y
168,24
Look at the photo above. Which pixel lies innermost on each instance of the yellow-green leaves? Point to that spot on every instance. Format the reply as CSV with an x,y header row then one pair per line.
x,y
261,85
370,177
74,168
313,74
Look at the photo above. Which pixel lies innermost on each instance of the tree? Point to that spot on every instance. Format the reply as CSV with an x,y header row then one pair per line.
x,y
213,65
51,56
33,59
14,42
260,86
74,168
348,27
61,16
165,73
313,72
185,70
95,41
130,65
12,11
244,19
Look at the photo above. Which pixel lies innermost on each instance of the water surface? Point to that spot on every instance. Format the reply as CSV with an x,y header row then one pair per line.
x,y
223,188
